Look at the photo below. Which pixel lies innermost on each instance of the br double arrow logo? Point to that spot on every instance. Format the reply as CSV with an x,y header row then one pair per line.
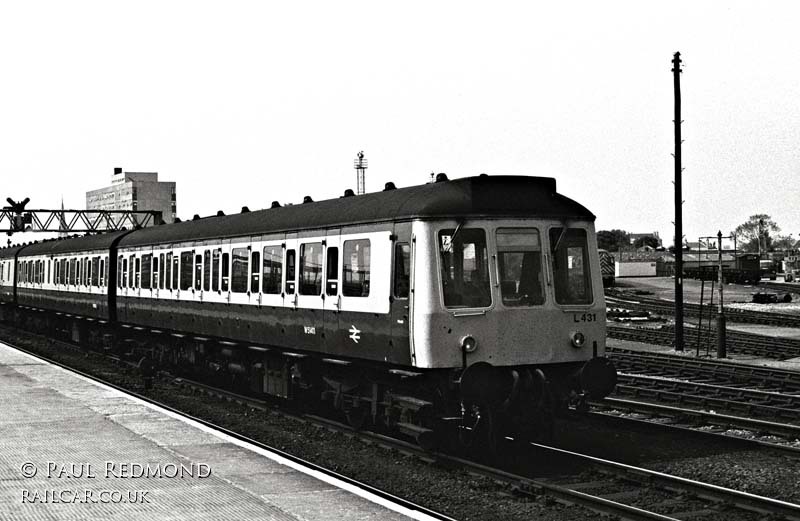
x,y
355,334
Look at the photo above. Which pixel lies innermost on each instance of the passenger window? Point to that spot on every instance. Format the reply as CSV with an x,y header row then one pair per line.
x,y
519,257
239,275
125,272
96,271
207,270
198,272
255,268
272,269
147,270
137,273
356,268
402,269
162,272
156,271
465,268
186,272
332,272
215,270
311,268
290,272
102,273
571,274
171,277
132,271
225,271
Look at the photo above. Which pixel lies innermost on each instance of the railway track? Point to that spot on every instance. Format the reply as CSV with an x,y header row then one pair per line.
x,y
667,308
704,339
707,395
611,488
614,490
705,370
249,403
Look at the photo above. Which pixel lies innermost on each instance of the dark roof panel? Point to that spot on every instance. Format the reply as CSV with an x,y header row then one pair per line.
x,y
100,241
495,196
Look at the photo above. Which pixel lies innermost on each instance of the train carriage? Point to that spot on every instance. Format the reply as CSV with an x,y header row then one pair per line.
x,y
474,298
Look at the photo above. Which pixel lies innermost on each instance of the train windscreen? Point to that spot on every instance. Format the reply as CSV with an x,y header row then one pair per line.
x,y
571,273
465,268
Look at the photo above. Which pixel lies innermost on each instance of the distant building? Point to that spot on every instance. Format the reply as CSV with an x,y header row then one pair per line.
x,y
137,191
637,263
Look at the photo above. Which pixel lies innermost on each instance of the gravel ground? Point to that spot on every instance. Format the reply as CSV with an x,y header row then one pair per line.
x,y
464,496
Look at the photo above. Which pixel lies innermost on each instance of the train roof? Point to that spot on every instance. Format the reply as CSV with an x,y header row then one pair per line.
x,y
100,241
494,196
10,251
480,196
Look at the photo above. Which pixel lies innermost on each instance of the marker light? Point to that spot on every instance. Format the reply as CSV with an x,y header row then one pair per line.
x,y
578,340
469,344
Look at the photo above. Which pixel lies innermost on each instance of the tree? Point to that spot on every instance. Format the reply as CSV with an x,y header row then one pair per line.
x,y
753,235
612,240
783,242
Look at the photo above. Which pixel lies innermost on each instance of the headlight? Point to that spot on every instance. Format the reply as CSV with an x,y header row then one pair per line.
x,y
469,344
578,340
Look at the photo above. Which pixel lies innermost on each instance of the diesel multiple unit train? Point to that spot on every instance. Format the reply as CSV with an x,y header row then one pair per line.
x,y
475,302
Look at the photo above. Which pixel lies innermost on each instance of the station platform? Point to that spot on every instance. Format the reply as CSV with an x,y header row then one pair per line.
x,y
73,449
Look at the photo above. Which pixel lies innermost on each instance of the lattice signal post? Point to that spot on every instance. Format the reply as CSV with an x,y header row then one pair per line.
x,y
361,170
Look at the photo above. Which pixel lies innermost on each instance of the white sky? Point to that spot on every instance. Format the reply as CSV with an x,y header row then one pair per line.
x,y
242,103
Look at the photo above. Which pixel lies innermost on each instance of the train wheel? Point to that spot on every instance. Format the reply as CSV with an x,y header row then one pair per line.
x,y
357,416
483,437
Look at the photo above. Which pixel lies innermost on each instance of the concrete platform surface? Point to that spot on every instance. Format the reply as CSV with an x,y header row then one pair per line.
x,y
72,449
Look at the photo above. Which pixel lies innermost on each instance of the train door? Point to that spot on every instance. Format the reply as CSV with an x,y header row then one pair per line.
x,y
400,296
332,296
309,292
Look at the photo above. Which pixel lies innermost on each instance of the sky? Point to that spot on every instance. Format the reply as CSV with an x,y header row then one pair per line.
x,y
242,103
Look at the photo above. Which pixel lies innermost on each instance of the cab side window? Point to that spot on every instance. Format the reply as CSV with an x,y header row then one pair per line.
x,y
402,269
332,272
290,271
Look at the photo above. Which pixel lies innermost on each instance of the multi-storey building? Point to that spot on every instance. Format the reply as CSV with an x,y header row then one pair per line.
x,y
135,191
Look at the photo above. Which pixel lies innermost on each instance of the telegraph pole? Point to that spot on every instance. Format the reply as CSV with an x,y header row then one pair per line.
x,y
676,74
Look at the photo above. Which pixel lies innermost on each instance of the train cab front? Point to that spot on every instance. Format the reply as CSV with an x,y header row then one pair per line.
x,y
520,312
